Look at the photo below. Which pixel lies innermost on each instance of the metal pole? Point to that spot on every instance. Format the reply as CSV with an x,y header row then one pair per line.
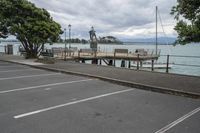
x,y
65,45
138,62
167,68
152,65
129,64
69,26
156,30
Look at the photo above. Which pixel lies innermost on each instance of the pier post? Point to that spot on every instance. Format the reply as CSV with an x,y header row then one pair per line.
x,y
100,62
129,64
123,63
95,61
83,61
152,65
114,59
110,62
138,62
167,68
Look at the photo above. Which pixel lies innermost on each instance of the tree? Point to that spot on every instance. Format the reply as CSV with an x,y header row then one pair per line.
x,y
32,26
187,13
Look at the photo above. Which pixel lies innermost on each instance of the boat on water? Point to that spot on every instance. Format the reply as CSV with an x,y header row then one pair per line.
x,y
142,52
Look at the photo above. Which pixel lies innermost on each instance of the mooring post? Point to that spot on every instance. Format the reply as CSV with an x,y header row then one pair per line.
x,y
114,59
83,61
167,68
123,63
94,61
129,64
152,65
100,62
110,62
138,61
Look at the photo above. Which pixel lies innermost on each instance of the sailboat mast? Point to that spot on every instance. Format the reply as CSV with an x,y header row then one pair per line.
x,y
156,30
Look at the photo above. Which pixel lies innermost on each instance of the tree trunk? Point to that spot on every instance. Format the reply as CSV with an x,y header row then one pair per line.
x,y
30,51
31,55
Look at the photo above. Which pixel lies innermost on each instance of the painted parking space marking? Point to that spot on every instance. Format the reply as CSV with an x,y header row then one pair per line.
x,y
174,123
46,85
70,103
12,66
17,70
29,76
47,89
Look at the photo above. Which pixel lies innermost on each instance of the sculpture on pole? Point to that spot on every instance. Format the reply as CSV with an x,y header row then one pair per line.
x,y
93,39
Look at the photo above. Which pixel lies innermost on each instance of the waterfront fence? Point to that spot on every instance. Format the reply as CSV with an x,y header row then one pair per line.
x,y
189,64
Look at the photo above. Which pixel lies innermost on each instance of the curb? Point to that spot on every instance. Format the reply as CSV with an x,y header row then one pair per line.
x,y
117,81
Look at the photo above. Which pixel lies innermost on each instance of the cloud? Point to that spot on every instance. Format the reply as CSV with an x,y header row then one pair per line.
x,y
132,18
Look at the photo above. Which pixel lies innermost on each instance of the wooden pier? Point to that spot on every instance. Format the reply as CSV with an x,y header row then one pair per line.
x,y
109,58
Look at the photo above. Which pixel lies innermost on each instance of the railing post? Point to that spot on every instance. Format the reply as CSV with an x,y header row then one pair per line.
x,y
100,62
129,64
152,65
138,62
123,63
167,68
114,58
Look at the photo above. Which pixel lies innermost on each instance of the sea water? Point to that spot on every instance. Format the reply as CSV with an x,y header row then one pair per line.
x,y
181,64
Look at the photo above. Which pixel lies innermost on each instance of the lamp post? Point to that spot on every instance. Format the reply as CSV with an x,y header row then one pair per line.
x,y
65,45
69,26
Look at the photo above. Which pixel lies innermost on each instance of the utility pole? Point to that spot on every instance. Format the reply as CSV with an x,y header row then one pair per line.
x,y
69,26
65,44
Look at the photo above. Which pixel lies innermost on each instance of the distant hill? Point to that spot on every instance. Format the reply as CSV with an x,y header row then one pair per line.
x,y
109,40
161,40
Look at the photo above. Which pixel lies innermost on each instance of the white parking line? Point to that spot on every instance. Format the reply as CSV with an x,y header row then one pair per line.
x,y
169,126
47,89
70,103
17,70
12,66
39,75
47,85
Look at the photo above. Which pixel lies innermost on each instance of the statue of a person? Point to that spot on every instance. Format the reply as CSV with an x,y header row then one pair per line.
x,y
93,39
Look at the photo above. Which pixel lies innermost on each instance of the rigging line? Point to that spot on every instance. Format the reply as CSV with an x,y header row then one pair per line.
x,y
169,51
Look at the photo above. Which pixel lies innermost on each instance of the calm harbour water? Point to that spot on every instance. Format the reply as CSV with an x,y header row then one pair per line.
x,y
186,50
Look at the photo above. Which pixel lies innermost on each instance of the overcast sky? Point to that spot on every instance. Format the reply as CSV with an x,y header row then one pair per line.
x,y
120,18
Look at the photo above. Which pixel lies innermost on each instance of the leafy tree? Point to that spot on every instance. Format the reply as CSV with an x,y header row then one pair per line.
x,y
32,26
187,13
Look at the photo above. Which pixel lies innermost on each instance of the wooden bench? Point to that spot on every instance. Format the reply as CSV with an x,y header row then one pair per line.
x,y
46,54
141,52
121,52
85,52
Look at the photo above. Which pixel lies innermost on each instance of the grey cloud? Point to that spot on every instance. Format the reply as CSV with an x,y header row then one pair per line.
x,y
106,15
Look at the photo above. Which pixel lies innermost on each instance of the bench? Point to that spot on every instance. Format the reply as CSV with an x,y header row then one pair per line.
x,y
86,51
121,52
141,52
46,54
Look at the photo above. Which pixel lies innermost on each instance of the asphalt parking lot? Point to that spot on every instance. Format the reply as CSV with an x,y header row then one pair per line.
x,y
39,101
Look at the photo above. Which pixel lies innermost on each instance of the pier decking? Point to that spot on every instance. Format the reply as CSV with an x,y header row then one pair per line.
x,y
108,58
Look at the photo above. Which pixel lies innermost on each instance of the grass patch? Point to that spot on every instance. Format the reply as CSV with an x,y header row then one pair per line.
x,y
46,60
